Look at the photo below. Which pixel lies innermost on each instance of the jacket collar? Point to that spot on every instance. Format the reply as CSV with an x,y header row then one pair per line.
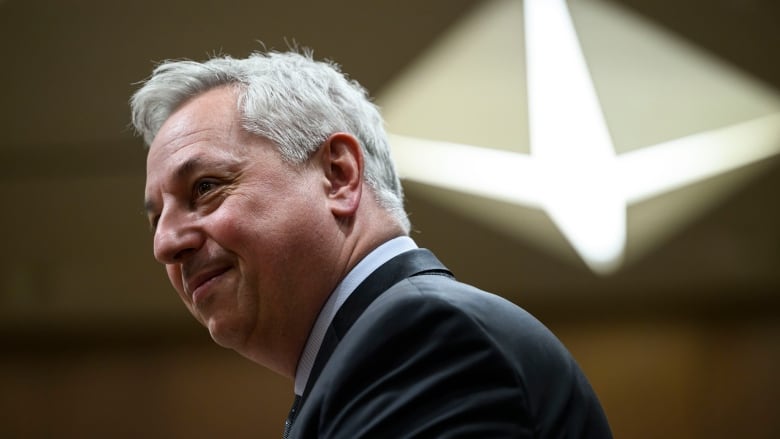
x,y
407,264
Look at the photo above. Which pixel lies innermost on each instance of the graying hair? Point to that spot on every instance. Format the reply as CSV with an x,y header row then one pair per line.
x,y
287,98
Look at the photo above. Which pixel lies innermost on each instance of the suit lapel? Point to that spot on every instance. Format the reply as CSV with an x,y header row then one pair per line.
x,y
405,265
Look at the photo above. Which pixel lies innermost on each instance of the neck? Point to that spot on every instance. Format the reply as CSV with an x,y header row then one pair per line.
x,y
352,239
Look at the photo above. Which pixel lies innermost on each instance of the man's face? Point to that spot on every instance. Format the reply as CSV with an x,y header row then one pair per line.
x,y
242,233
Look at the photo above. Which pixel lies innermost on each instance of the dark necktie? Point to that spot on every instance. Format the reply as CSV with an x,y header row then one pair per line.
x,y
291,417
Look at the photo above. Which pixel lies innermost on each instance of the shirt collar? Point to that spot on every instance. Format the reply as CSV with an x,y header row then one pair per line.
x,y
358,274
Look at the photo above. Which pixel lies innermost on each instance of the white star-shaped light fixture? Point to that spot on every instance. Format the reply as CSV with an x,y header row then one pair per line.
x,y
572,170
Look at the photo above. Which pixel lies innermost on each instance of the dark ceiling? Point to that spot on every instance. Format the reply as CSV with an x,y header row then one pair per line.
x,y
70,66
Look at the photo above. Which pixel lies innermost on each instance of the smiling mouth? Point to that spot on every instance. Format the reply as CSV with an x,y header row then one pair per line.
x,y
199,285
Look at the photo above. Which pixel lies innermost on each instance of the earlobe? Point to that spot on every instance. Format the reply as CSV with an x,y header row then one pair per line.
x,y
342,162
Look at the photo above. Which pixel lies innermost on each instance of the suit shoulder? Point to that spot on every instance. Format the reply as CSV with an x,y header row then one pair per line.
x,y
437,293
432,356
421,304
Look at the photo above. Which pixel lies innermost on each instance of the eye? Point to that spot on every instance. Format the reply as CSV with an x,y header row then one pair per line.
x,y
202,187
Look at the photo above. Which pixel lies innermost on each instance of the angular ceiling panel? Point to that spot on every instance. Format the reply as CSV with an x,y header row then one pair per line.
x,y
582,114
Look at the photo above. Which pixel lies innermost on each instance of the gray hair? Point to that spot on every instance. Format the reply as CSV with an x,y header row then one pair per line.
x,y
287,98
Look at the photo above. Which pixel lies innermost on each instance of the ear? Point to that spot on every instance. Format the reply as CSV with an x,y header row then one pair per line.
x,y
342,162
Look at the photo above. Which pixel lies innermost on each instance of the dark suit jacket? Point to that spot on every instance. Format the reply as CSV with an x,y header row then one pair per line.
x,y
414,353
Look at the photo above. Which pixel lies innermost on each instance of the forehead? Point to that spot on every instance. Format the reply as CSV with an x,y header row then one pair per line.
x,y
208,124
204,131
210,116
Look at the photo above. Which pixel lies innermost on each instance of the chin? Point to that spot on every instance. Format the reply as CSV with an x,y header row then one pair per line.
x,y
226,334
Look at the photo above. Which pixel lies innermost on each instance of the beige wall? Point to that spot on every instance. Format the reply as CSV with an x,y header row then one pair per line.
x,y
688,377
683,379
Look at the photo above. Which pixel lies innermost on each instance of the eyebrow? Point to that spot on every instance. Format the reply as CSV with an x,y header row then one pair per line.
x,y
190,166
182,172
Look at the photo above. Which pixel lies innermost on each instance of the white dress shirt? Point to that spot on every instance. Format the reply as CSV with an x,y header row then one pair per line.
x,y
358,274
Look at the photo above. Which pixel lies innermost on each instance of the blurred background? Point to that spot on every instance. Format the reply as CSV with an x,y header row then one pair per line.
x,y
680,341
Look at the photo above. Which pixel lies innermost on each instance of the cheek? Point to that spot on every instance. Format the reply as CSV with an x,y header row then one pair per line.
x,y
174,275
241,225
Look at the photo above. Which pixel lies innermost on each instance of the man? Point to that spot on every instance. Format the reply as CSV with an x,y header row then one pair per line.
x,y
279,217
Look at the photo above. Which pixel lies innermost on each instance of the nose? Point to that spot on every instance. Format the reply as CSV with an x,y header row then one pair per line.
x,y
176,236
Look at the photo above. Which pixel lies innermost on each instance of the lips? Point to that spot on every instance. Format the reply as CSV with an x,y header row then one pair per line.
x,y
201,278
